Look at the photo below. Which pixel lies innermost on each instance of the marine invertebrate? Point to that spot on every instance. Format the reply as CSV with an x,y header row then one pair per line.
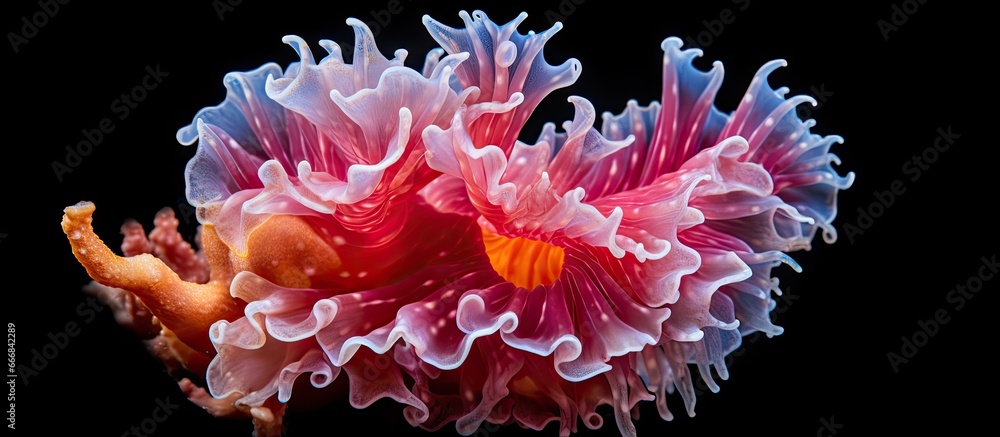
x,y
362,211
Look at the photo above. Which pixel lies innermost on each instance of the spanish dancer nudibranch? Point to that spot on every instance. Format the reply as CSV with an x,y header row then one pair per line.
x,y
366,212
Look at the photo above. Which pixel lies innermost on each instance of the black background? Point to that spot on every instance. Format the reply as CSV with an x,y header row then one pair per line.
x,y
851,306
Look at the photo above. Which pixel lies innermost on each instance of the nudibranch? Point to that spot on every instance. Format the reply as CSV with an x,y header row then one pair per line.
x,y
363,212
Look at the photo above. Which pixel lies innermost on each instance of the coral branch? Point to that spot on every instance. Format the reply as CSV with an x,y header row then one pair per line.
x,y
187,308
